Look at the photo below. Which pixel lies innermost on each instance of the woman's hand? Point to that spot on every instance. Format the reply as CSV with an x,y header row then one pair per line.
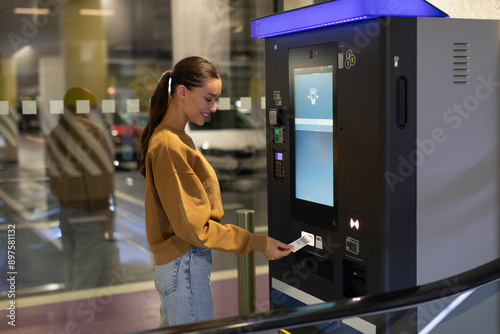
x,y
275,249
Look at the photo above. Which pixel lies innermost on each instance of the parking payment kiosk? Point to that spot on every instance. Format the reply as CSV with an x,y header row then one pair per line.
x,y
383,147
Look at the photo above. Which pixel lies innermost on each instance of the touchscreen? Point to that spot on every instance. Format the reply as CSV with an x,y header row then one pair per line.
x,y
313,97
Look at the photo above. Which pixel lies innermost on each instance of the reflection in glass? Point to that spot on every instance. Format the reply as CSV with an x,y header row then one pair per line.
x,y
81,178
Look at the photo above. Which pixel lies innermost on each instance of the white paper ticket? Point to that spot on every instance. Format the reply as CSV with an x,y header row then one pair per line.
x,y
299,243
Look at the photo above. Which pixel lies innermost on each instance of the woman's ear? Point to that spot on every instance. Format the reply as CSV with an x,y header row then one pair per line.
x,y
181,91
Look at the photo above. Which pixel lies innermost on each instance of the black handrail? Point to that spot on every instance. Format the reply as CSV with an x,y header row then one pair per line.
x,y
348,308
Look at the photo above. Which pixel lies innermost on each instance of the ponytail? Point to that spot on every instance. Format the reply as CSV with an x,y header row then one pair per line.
x,y
158,108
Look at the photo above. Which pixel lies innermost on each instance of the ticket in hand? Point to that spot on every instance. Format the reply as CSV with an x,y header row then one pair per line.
x,y
299,243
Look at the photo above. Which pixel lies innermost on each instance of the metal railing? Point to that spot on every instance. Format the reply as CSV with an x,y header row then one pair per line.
x,y
342,309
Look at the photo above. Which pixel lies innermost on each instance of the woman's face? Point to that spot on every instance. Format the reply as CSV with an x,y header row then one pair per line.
x,y
200,102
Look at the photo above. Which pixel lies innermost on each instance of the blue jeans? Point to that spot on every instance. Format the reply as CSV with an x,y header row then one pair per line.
x,y
184,288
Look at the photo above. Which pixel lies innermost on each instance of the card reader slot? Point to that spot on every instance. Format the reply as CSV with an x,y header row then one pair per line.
x,y
359,275
354,277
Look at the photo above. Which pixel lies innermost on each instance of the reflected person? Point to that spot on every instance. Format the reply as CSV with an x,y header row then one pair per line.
x,y
81,177
183,206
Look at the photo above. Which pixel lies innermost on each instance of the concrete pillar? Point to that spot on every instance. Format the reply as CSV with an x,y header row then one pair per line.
x,y
8,80
9,132
85,48
201,28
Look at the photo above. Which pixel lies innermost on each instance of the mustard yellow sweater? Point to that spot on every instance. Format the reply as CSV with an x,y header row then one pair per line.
x,y
183,204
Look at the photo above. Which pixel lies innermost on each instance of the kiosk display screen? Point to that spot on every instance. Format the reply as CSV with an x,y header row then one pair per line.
x,y
313,100
313,137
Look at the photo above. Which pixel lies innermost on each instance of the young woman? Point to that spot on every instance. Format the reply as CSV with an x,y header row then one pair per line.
x,y
183,205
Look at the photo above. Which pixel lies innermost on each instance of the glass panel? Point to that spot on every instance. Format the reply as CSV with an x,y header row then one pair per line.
x,y
475,311
72,229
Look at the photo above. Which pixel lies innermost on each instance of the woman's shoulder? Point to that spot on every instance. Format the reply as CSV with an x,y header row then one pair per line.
x,y
165,137
172,150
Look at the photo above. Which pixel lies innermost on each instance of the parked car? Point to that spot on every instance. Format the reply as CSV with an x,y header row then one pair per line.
x,y
140,119
126,138
232,143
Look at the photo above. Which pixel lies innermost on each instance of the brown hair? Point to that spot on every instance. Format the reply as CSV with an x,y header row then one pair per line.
x,y
189,72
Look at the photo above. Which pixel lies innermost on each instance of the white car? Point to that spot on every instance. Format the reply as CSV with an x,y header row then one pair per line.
x,y
232,144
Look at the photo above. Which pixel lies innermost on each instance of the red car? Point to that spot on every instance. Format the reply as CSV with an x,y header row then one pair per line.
x,y
126,137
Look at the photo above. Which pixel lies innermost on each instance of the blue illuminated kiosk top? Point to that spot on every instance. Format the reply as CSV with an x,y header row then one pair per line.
x,y
338,12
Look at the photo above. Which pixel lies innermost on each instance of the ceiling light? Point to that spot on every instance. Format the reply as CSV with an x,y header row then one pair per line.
x,y
32,11
97,12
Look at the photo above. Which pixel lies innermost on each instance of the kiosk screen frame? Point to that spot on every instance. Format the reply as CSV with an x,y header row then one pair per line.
x,y
312,77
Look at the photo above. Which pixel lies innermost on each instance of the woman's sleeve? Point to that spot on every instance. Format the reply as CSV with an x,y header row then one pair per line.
x,y
189,211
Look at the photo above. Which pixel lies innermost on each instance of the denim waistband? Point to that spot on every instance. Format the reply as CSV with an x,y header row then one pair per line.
x,y
197,249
